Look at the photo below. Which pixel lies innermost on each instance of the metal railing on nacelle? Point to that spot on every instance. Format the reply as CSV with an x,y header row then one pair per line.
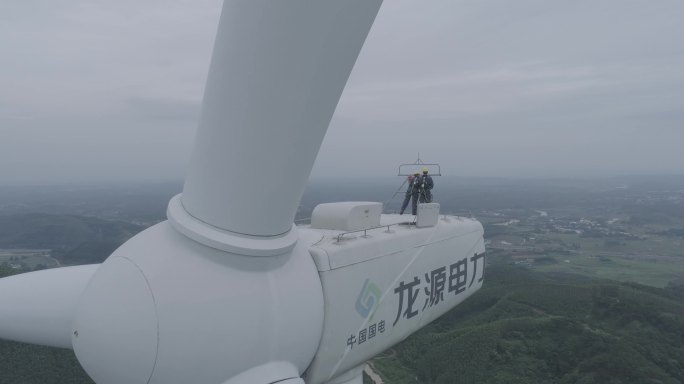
x,y
365,231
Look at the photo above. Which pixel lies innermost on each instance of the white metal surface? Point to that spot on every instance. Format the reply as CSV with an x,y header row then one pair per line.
x,y
218,314
115,324
370,280
276,75
272,372
37,307
346,216
352,376
225,240
428,213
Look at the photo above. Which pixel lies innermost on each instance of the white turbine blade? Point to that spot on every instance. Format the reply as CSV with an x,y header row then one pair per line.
x,y
277,73
38,307
269,373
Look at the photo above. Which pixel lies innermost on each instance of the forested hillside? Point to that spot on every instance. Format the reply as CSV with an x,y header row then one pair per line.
x,y
527,327
32,364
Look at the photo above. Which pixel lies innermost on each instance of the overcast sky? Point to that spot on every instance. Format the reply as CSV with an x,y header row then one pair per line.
x,y
94,90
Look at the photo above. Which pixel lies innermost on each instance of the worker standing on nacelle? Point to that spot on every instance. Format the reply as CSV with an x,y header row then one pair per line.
x,y
415,193
425,184
407,197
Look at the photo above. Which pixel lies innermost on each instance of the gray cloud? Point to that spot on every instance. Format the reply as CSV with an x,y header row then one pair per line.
x,y
186,111
97,90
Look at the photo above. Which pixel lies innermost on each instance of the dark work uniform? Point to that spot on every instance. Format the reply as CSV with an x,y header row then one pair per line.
x,y
407,197
425,185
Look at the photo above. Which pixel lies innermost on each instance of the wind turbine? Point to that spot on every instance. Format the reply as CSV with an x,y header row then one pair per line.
x,y
228,290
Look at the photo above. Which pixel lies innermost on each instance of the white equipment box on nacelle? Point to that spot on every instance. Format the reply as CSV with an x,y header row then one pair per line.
x,y
346,216
428,213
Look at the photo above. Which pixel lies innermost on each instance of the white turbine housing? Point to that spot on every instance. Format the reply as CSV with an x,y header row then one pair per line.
x,y
382,284
166,309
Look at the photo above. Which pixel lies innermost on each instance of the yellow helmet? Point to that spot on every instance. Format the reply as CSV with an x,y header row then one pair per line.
x,y
416,173
425,170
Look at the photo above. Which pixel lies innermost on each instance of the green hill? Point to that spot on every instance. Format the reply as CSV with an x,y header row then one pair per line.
x,y
32,364
72,239
526,327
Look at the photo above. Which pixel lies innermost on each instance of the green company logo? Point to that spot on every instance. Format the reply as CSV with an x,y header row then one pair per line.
x,y
368,300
